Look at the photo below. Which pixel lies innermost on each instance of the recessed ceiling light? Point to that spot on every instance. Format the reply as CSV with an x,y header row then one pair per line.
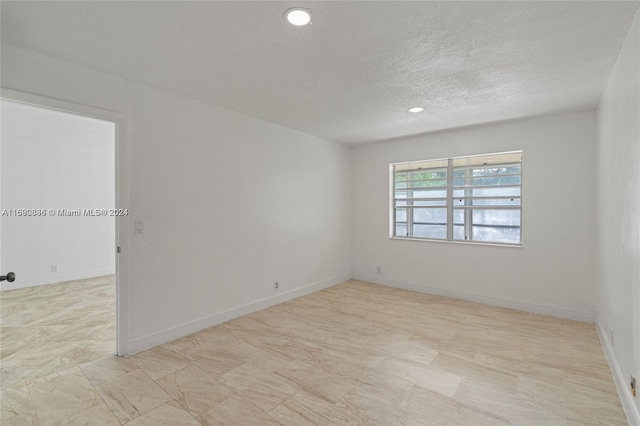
x,y
416,109
298,16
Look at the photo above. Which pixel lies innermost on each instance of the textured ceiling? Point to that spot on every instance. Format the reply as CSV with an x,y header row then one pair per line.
x,y
352,74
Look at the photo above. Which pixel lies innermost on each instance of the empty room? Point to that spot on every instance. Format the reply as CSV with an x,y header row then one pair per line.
x,y
320,213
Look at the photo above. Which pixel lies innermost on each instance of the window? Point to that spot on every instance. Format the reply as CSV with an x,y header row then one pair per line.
x,y
476,198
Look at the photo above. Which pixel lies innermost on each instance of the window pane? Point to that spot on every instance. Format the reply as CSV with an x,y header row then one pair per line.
x,y
458,232
497,202
430,174
427,183
503,202
401,229
486,181
487,176
430,231
430,193
499,170
458,224
501,226
499,191
496,217
430,216
401,215
496,234
431,203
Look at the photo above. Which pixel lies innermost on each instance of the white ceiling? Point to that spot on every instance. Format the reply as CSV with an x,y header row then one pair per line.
x,y
352,74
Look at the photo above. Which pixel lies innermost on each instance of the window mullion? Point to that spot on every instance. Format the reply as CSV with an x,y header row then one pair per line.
x,y
468,213
450,200
409,213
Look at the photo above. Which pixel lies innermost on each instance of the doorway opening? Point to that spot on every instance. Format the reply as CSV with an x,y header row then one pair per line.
x,y
58,235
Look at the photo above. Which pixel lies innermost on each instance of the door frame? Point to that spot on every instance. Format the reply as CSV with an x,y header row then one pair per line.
x,y
121,165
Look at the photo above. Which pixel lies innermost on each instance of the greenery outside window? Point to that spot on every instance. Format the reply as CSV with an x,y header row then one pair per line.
x,y
476,198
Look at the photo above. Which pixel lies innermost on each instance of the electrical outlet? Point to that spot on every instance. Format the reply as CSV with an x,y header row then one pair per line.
x,y
633,386
276,286
54,268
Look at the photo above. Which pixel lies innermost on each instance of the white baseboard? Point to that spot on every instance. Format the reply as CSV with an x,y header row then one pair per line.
x,y
556,311
630,409
158,338
54,278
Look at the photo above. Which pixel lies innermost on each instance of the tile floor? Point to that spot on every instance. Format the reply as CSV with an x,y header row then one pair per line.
x,y
355,353
49,328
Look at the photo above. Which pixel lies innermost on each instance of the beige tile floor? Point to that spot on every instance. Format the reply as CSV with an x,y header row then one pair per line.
x,y
49,328
355,353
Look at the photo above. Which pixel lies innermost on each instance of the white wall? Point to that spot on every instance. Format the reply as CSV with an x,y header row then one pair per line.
x,y
618,307
552,273
229,203
53,160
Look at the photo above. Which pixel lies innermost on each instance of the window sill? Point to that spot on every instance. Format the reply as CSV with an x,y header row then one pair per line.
x,y
473,243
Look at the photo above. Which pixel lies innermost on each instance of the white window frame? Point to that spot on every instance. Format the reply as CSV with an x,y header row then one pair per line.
x,y
468,206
